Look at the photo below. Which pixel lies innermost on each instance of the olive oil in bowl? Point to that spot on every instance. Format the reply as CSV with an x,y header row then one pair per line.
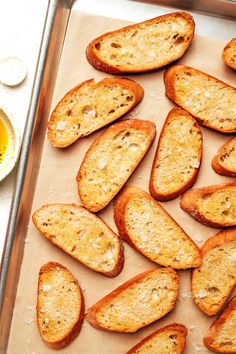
x,y
4,139
9,144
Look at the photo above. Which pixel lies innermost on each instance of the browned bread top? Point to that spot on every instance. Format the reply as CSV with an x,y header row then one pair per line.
x,y
211,101
213,205
224,162
144,46
137,303
170,339
82,235
229,54
178,156
60,305
215,279
148,228
90,106
111,159
221,337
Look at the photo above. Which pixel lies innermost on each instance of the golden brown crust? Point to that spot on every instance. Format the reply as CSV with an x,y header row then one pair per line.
x,y
140,125
74,332
220,239
102,65
120,261
120,207
183,332
227,56
216,162
188,202
122,82
188,184
169,80
91,314
216,327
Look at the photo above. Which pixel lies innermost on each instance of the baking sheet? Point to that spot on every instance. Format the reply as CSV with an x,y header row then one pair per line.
x,y
56,183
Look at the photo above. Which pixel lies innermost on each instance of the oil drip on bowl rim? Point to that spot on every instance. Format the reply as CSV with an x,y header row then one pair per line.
x,y
9,143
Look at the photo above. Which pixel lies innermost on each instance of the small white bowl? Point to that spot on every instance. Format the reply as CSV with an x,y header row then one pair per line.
x,y
8,162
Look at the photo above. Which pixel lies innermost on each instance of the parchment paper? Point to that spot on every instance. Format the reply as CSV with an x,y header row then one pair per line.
x,y
56,183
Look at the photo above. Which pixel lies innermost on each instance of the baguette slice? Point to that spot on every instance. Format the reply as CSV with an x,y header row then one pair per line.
x,y
224,163
82,235
90,106
211,101
149,229
229,54
170,339
138,302
215,279
60,305
221,336
144,46
178,156
111,160
213,206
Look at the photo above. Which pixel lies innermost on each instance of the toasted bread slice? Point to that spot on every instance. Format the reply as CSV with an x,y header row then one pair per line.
x,y
138,302
178,156
215,279
90,106
224,163
221,336
111,159
170,339
148,228
82,235
229,54
213,206
211,101
144,46
60,305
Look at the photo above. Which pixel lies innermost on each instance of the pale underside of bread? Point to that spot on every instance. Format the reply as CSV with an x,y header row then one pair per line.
x,y
60,305
213,206
170,339
224,163
82,235
213,282
178,156
211,101
90,106
138,302
144,46
220,337
111,159
229,54
149,229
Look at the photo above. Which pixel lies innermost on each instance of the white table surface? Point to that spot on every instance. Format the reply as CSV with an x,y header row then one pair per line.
x,y
21,26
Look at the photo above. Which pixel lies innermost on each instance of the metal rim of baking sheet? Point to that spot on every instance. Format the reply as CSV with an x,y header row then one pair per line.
x,y
58,12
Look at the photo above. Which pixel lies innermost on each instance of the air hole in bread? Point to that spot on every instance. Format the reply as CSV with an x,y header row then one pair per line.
x,y
213,289
228,342
134,34
129,98
173,336
188,74
98,46
225,212
133,147
73,249
69,112
115,45
111,111
179,40
206,196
